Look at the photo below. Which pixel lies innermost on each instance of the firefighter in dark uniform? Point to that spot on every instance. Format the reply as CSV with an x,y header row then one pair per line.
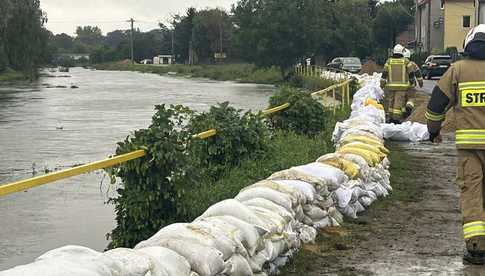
x,y
462,88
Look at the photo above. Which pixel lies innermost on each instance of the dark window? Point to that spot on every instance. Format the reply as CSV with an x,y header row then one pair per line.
x,y
442,4
466,21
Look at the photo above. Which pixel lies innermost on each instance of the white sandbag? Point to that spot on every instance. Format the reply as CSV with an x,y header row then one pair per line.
x,y
307,234
316,213
172,262
234,207
305,188
249,234
319,184
240,266
271,206
296,196
204,260
406,131
343,195
335,214
366,201
276,197
325,222
358,207
69,260
349,211
274,222
137,263
191,233
333,177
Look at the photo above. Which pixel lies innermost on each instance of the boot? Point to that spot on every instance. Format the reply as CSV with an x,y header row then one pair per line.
x,y
475,251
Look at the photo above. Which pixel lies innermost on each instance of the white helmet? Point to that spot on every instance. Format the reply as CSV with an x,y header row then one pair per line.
x,y
407,53
475,34
398,49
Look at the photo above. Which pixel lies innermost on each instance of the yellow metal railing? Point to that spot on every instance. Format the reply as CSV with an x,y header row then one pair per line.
x,y
23,185
344,87
55,176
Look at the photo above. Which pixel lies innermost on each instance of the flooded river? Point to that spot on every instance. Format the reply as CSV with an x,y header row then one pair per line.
x,y
44,127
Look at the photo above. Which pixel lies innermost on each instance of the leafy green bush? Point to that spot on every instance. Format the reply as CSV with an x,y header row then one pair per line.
x,y
149,195
238,136
304,116
286,149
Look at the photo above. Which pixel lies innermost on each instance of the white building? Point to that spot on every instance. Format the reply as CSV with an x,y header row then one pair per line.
x,y
163,59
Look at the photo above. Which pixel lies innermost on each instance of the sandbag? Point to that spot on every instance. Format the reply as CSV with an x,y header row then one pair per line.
x,y
360,133
407,131
319,184
316,213
305,188
283,200
351,169
333,177
171,261
191,233
234,207
366,140
69,260
204,260
137,263
367,147
271,206
240,266
371,158
249,234
296,196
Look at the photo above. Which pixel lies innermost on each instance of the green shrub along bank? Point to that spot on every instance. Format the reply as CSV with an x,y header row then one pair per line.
x,y
246,73
181,176
12,75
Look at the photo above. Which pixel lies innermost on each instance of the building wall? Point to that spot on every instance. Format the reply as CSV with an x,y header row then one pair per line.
x,y
429,25
481,13
454,30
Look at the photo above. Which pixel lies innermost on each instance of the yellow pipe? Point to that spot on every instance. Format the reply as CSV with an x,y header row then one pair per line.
x,y
275,109
205,134
55,176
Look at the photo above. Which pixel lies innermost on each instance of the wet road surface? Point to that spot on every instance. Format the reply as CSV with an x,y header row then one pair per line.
x,y
43,127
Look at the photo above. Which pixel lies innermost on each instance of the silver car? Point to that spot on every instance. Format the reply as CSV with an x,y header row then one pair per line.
x,y
349,64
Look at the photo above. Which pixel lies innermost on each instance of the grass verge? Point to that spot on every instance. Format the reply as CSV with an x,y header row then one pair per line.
x,y
245,73
331,251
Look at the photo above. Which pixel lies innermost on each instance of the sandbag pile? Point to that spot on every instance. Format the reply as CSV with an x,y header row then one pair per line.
x,y
407,131
256,232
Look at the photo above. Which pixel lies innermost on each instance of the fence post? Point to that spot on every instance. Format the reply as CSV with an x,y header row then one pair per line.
x,y
334,102
348,93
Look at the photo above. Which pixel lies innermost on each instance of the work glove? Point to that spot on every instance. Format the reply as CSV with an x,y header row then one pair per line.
x,y
408,110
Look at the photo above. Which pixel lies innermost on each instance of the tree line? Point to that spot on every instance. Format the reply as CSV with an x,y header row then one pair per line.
x,y
263,32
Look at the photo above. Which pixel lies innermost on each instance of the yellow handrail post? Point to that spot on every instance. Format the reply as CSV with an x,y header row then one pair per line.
x,y
348,93
334,102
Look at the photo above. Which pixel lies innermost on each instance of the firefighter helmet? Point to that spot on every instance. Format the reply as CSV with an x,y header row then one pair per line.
x,y
407,53
398,49
475,34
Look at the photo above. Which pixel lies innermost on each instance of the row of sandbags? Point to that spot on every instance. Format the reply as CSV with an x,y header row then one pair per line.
x,y
256,232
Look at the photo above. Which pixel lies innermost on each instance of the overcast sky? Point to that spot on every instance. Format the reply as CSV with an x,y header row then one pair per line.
x,y
65,15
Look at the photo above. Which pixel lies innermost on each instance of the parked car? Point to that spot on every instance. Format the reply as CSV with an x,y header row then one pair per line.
x,y
146,61
436,66
349,64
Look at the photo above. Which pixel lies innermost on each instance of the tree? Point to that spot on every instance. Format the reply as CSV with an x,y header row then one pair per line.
x,y
184,27
23,37
89,35
392,18
63,42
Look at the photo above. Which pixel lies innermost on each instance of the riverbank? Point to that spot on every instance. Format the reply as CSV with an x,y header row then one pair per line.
x,y
244,73
12,75
414,231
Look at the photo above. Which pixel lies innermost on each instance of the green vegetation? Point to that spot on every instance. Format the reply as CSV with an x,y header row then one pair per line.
x,y
12,75
237,72
181,176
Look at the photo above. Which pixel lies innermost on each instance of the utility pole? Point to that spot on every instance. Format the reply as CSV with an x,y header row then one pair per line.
x,y
131,41
173,43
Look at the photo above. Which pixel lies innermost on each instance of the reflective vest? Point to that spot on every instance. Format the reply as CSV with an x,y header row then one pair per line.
x,y
398,74
470,112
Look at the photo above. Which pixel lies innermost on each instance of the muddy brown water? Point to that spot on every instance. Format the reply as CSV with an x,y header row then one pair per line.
x,y
46,127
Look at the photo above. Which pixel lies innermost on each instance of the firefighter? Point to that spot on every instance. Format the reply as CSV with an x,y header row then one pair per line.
x,y
417,80
396,81
462,88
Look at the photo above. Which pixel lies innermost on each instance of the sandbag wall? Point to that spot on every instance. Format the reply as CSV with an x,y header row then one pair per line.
x,y
259,230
